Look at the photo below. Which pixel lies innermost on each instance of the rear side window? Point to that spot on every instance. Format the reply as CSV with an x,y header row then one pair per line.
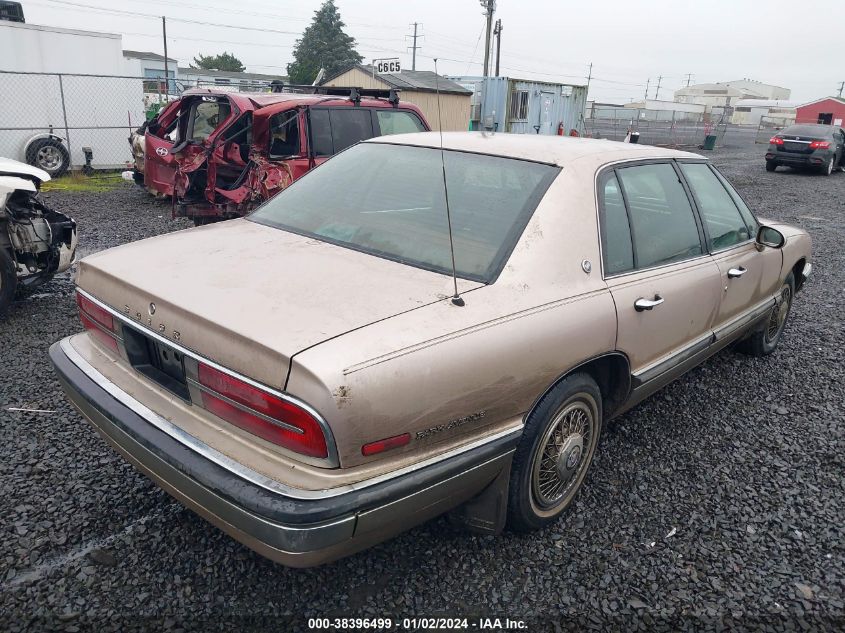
x,y
663,227
321,132
723,224
616,235
335,129
350,126
397,122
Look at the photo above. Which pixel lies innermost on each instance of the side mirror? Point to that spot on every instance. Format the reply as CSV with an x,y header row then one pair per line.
x,y
767,236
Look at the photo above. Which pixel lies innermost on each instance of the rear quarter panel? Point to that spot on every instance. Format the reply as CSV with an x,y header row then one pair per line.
x,y
446,374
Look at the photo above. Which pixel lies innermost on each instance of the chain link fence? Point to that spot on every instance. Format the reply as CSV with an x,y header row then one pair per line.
x,y
86,117
670,128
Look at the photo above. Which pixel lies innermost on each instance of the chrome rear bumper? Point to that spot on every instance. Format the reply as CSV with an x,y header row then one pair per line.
x,y
296,528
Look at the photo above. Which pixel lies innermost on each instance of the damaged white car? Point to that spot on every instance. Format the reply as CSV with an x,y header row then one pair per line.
x,y
36,242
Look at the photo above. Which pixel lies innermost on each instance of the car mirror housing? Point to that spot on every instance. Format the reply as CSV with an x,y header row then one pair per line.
x,y
767,236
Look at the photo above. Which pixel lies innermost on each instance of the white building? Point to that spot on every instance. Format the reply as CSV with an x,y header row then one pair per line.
x,y
751,111
227,80
727,93
147,64
667,110
83,110
48,49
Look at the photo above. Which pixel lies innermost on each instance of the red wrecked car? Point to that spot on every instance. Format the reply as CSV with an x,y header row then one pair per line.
x,y
221,154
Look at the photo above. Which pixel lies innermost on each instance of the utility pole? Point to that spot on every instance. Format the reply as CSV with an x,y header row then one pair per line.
x,y
498,33
657,90
841,88
689,79
414,47
589,76
166,67
647,82
489,8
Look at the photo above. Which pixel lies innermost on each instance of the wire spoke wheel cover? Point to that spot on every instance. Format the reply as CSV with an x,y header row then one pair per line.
x,y
777,318
564,452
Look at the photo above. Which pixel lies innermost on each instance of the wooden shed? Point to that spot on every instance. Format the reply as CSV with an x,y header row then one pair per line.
x,y
418,87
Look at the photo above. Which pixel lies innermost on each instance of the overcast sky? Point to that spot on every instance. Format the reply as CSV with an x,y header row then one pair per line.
x,y
628,42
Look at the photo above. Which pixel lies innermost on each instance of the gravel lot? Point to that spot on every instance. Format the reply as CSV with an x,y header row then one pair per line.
x,y
741,461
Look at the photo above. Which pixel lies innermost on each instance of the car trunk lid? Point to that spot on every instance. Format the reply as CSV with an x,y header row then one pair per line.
x,y
250,296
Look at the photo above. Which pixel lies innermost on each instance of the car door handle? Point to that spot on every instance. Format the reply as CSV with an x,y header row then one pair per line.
x,y
733,273
647,304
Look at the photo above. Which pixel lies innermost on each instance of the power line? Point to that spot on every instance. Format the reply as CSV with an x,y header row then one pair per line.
x,y
184,20
469,62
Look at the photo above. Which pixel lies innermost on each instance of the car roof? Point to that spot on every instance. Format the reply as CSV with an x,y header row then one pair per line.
x,y
818,127
265,99
556,150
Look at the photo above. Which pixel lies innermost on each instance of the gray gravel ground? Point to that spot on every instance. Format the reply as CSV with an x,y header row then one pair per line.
x,y
741,461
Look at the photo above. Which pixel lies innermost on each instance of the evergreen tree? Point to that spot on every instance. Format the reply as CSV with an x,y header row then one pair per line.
x,y
224,61
323,44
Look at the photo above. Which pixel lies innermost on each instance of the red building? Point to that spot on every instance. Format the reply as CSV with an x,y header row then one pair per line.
x,y
829,110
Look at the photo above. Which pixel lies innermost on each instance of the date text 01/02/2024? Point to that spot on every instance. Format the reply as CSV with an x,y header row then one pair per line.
x,y
418,623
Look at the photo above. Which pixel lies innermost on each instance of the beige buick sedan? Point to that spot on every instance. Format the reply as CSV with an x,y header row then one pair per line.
x,y
312,379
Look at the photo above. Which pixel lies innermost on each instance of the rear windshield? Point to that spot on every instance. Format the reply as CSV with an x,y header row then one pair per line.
x,y
808,130
388,200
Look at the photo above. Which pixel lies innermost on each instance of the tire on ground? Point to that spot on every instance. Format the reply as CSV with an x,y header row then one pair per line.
x,y
764,340
43,148
573,399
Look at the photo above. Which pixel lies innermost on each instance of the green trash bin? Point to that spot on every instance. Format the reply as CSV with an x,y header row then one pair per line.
x,y
709,141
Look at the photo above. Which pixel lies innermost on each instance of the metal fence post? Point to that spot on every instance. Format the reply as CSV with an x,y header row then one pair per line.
x,y
67,130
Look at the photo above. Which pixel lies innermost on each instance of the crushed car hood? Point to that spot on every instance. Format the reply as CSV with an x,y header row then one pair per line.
x,y
249,296
9,167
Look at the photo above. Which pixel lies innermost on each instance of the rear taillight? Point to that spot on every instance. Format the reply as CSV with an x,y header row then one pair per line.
x,y
820,145
261,413
97,321
776,140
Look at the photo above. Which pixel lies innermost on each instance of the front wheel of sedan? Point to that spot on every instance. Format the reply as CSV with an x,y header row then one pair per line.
x,y
764,340
556,450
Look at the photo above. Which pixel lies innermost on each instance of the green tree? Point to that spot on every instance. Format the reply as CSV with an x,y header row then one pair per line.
x,y
224,61
323,44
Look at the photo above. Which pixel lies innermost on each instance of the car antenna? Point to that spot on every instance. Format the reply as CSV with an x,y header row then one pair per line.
x,y
456,298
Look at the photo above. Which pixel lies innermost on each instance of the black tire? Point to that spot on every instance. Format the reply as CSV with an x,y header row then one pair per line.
x,y
8,280
771,165
534,499
764,340
50,155
827,169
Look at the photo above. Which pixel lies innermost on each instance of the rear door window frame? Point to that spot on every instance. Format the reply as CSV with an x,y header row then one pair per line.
x,y
374,124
